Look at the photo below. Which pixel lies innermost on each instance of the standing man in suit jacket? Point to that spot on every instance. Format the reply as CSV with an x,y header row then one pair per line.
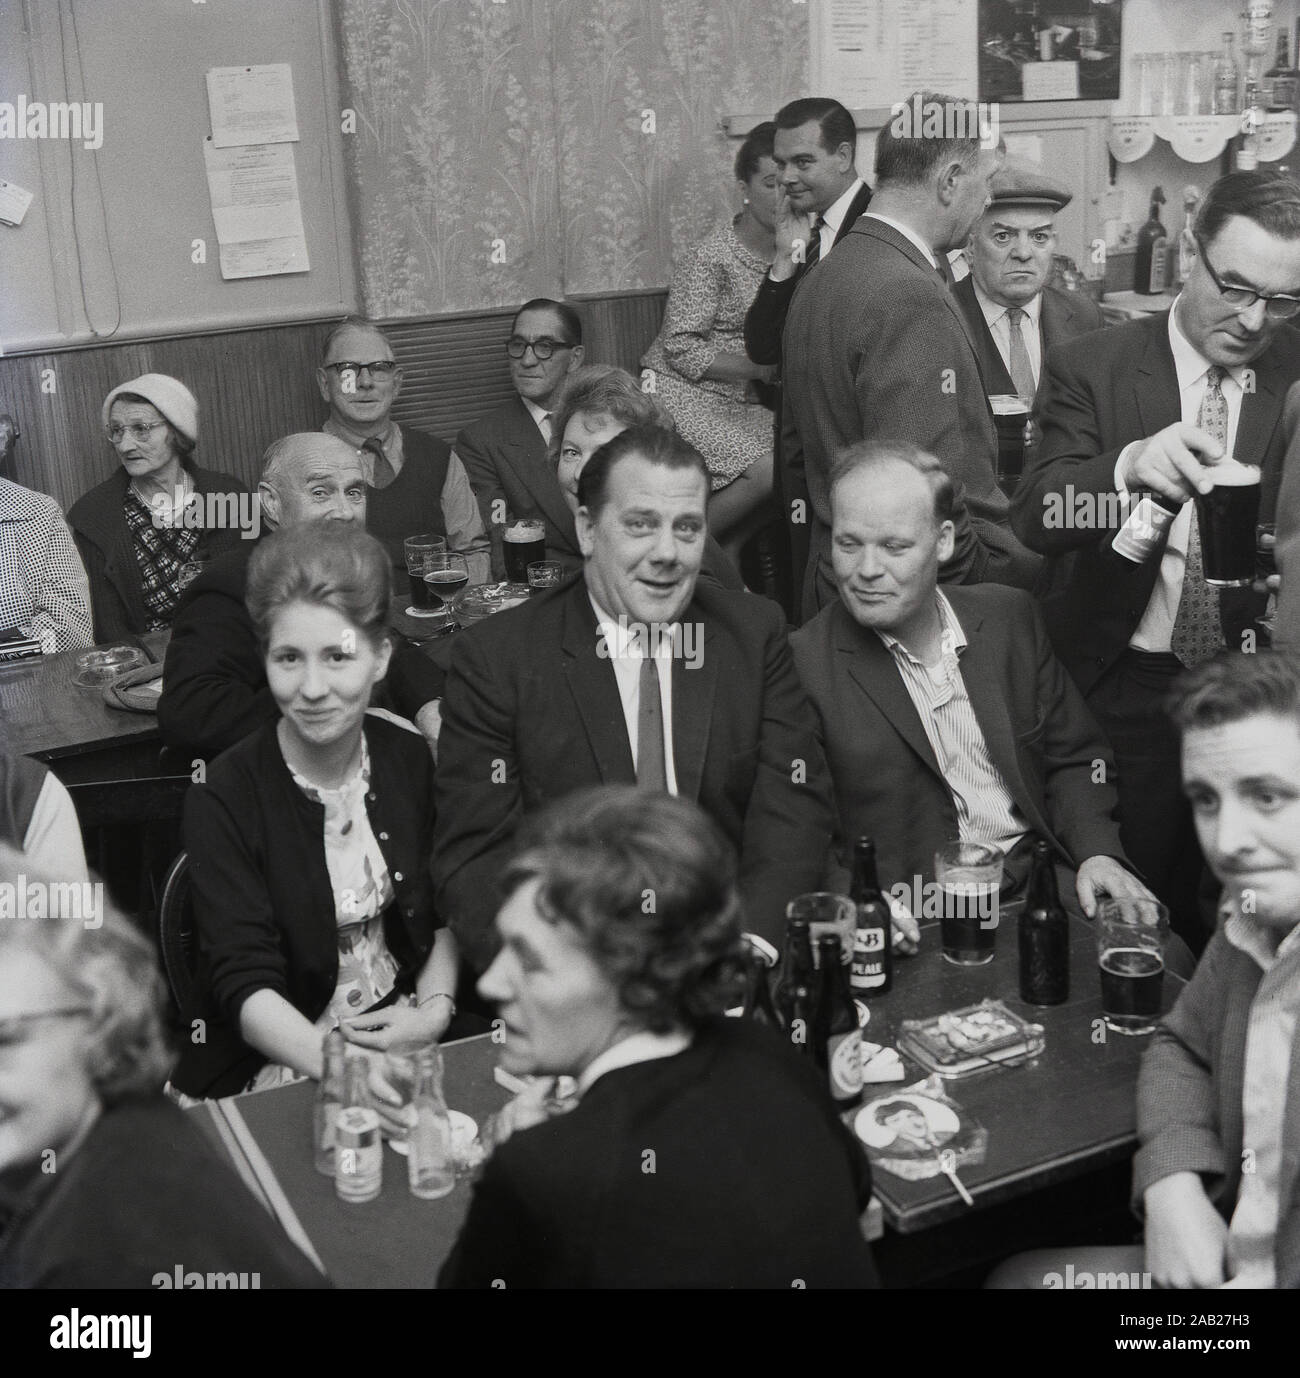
x,y
1014,316
944,714
505,453
821,198
876,348
415,484
1152,406
634,673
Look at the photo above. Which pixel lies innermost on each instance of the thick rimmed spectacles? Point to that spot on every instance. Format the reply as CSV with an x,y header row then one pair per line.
x,y
138,430
380,368
543,347
1280,306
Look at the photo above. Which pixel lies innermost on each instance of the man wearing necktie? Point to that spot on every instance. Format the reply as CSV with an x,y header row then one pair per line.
x,y
1151,406
875,347
505,452
414,482
1013,315
637,673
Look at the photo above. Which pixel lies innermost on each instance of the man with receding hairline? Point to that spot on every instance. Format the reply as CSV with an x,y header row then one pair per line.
x,y
214,679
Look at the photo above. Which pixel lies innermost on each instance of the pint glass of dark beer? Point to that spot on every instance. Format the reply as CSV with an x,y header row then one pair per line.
x,y
419,551
1227,515
1131,938
523,543
1010,416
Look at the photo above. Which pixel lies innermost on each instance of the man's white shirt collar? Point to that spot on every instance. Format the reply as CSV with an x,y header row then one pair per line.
x,y
833,216
994,312
907,232
1189,363
539,414
623,636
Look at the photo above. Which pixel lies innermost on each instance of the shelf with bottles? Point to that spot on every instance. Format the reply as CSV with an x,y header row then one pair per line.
x,y
1201,138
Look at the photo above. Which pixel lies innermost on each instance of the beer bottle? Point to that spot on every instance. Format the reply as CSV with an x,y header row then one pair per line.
x,y
837,1039
758,995
430,1163
1044,934
329,1097
872,968
794,991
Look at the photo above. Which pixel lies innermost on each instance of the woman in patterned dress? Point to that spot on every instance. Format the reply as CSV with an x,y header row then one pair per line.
x,y
701,371
143,534
310,840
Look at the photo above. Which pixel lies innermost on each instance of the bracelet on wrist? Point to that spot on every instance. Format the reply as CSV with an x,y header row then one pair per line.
x,y
439,995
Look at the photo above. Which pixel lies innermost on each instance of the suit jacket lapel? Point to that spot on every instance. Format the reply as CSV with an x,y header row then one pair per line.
x,y
871,667
1261,412
1155,381
595,690
856,207
525,452
694,688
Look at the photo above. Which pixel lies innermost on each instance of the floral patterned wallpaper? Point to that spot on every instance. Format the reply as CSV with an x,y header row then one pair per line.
x,y
505,150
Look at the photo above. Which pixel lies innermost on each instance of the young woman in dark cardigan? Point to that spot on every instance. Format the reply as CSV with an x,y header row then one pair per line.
x,y
310,840
147,529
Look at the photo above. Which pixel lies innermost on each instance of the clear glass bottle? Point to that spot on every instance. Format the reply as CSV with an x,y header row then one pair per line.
x,y
430,1163
1227,78
329,1100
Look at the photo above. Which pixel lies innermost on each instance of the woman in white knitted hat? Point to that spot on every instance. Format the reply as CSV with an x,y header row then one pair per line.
x,y
147,530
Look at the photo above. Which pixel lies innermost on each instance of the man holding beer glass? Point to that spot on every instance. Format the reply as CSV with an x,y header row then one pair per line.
x,y
1139,419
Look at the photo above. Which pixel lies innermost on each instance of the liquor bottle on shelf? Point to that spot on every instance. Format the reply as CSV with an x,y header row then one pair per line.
x,y
1227,78
1282,81
1151,260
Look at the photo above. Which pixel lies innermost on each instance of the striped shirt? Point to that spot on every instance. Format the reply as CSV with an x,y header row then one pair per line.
x,y
43,588
1270,1037
986,810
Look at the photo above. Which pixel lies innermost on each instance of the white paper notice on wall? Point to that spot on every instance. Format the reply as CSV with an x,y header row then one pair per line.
x,y
871,53
252,105
255,209
14,201
1050,80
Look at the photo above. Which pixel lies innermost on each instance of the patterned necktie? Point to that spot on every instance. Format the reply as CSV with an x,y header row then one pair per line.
x,y
1022,373
382,471
1198,632
944,269
814,244
650,772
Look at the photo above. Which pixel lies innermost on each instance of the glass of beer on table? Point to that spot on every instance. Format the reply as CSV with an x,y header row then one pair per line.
x,y
446,576
1227,516
523,543
419,550
969,876
1131,938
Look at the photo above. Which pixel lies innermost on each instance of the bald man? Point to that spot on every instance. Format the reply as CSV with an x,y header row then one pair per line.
x,y
214,679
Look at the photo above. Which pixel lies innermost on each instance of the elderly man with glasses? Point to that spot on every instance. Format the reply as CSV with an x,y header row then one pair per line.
x,y
506,454
415,483
1149,408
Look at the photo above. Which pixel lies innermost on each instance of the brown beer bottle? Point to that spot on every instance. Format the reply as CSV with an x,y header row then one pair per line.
x,y
872,969
837,1039
1044,936
794,991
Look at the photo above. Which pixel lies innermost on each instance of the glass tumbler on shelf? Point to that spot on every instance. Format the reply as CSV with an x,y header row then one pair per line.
x,y
1193,85
1145,103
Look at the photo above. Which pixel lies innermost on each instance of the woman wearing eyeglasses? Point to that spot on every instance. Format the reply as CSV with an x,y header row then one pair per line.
x,y
144,533
103,1181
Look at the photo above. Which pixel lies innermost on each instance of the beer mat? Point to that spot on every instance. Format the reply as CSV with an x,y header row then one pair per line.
x,y
971,1039
880,1063
917,1132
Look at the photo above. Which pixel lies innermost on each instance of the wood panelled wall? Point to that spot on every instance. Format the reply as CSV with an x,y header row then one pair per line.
x,y
256,385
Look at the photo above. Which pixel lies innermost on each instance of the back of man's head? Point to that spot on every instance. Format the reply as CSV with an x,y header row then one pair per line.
x,y
926,133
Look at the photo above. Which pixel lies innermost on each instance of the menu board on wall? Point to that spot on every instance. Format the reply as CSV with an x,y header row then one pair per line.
x,y
869,53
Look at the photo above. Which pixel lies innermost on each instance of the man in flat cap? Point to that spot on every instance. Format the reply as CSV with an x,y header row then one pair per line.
x,y
1014,316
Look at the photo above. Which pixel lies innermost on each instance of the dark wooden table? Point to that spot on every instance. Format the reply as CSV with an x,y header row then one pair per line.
x,y
1069,1111
395,1240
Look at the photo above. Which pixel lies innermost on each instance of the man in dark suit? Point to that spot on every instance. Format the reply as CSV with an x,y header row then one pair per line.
x,y
416,485
505,452
821,198
632,673
876,347
1152,406
214,676
1013,315
1286,629
944,714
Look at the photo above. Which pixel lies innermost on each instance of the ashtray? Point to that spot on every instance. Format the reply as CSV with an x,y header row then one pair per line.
x,y
970,1039
481,602
104,664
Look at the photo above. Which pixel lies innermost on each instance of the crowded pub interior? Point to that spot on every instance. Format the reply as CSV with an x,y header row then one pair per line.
x,y
649,644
